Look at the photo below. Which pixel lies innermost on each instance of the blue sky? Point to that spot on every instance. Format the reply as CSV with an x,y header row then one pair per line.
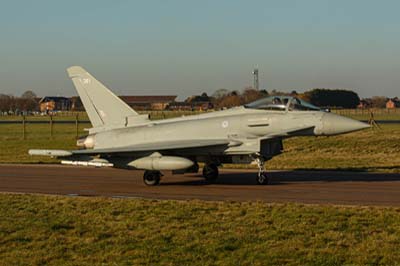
x,y
187,47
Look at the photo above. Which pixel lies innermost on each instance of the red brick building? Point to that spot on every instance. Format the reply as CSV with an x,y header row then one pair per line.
x,y
149,102
393,103
54,103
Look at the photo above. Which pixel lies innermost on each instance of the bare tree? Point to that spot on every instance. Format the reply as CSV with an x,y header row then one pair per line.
x,y
7,103
220,93
28,95
378,101
3,103
250,95
28,101
230,101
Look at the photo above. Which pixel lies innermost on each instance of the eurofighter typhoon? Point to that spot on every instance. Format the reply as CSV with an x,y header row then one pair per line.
x,y
120,137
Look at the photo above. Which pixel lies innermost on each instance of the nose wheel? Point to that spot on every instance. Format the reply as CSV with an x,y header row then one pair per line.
x,y
262,178
210,172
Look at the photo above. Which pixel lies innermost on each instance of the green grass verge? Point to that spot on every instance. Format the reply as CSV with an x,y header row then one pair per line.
x,y
368,150
55,230
82,116
379,114
14,149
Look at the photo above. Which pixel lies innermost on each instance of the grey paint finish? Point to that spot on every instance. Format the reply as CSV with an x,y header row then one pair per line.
x,y
255,130
99,102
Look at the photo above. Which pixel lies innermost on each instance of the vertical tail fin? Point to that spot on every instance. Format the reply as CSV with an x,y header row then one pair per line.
x,y
103,107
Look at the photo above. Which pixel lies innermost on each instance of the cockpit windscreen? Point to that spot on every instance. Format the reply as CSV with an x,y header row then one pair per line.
x,y
282,103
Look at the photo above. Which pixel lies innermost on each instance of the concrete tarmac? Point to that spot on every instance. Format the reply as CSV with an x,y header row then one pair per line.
x,y
320,187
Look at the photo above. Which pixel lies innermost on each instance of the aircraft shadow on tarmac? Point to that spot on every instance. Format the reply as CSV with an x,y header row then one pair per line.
x,y
286,177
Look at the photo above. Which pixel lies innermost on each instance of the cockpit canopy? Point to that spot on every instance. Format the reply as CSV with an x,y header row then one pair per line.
x,y
282,103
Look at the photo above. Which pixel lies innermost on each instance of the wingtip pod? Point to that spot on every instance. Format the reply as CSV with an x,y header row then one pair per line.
x,y
51,153
76,71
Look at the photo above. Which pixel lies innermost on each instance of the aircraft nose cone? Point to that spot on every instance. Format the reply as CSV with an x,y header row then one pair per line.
x,y
335,124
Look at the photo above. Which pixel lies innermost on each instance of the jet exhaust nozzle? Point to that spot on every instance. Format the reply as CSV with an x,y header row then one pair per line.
x,y
158,162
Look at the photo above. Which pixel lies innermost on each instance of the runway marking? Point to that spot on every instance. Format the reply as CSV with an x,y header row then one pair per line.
x,y
126,197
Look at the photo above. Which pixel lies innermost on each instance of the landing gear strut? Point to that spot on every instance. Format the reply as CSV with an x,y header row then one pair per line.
x,y
193,169
262,178
210,172
152,178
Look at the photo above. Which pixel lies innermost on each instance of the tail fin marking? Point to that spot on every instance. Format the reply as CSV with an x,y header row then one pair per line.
x,y
103,107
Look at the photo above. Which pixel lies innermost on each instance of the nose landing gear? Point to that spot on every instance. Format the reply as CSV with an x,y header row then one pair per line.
x,y
210,172
262,178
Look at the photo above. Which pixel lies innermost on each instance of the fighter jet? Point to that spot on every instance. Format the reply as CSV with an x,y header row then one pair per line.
x,y
253,133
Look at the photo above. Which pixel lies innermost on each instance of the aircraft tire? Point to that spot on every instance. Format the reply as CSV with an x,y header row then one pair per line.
x,y
210,172
262,179
151,178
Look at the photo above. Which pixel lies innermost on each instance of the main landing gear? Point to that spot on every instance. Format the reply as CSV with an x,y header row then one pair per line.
x,y
152,178
262,178
210,172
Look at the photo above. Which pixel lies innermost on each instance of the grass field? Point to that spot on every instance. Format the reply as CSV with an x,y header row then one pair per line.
x,y
360,114
368,150
364,114
55,230
13,149
82,116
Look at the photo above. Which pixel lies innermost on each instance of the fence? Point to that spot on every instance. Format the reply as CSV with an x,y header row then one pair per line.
x,y
19,124
49,120
364,111
79,119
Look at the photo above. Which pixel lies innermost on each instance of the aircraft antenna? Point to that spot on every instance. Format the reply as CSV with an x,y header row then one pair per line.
x,y
256,84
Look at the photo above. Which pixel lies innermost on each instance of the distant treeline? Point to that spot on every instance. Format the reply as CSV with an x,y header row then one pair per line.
x,y
28,101
330,98
223,98
319,97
